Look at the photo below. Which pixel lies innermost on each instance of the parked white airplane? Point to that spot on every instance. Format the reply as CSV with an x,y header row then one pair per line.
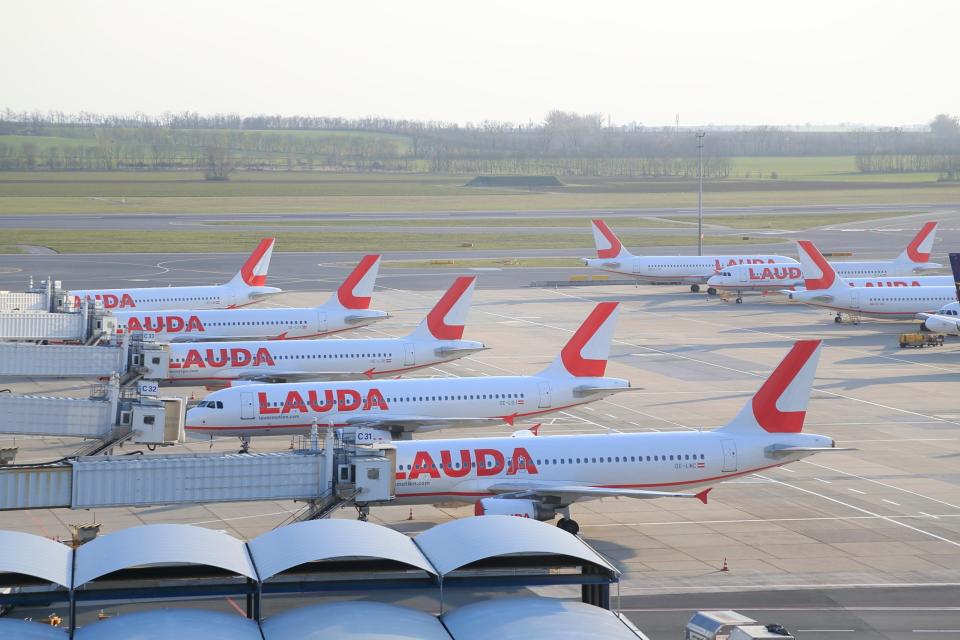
x,y
947,318
775,277
612,256
247,287
882,273
538,477
386,408
348,309
824,288
435,340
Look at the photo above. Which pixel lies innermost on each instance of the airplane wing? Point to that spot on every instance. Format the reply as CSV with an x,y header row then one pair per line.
x,y
568,493
419,423
297,376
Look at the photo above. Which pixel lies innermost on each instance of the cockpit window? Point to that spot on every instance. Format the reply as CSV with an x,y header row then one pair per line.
x,y
211,404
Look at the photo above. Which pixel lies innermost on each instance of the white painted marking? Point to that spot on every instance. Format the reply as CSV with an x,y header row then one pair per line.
x,y
861,510
823,481
929,515
883,484
896,504
787,470
863,493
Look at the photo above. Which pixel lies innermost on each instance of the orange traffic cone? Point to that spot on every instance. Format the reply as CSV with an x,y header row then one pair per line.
x,y
193,396
725,567
410,517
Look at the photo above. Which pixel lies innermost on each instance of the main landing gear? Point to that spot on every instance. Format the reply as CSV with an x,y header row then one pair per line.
x,y
244,444
838,318
363,512
695,288
568,525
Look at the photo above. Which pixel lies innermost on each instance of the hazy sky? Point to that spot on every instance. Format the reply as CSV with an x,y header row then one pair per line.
x,y
719,62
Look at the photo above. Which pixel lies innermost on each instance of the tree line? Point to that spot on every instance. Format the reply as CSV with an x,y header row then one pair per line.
x,y
564,143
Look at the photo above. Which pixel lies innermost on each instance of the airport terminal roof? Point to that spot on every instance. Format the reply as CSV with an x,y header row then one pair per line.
x,y
524,618
36,557
354,621
170,624
161,544
456,544
13,629
293,545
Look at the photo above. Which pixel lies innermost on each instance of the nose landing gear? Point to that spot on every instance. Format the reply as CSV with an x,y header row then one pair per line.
x,y
244,444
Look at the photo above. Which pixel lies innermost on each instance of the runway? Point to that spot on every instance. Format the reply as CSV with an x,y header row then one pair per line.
x,y
322,271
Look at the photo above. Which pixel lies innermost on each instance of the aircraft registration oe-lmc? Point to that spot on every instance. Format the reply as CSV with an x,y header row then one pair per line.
x,y
247,287
612,256
900,272
348,309
386,409
824,288
435,340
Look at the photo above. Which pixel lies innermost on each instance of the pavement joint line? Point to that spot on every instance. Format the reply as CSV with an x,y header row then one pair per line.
x,y
883,484
751,373
862,510
767,520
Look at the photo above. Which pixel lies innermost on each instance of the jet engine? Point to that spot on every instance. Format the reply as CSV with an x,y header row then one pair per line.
x,y
520,507
938,324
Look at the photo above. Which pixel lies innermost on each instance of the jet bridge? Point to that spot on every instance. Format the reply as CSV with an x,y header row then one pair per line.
x,y
131,356
110,413
323,474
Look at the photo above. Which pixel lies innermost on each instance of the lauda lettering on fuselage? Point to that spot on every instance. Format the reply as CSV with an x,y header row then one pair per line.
x,y
217,358
775,273
170,324
109,300
347,400
735,261
891,283
490,462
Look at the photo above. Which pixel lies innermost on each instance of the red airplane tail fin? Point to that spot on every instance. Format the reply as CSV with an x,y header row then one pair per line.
x,y
253,273
448,317
357,288
585,354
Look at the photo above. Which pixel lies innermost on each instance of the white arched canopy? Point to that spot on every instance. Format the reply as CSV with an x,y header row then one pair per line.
x,y
35,556
295,544
161,544
457,543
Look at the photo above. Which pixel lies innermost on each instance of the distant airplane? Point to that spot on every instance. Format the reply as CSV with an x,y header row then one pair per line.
x,y
540,477
612,256
386,409
947,318
435,340
348,309
900,272
247,287
824,288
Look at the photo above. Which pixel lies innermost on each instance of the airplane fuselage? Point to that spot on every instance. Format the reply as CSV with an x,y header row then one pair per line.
x,y
430,471
898,303
163,298
685,269
182,325
291,409
213,363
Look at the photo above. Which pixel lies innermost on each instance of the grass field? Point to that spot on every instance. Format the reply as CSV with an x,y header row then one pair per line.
x,y
487,223
485,263
832,168
109,241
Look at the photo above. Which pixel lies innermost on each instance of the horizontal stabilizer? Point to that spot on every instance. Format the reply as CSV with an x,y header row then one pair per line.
x,y
585,390
785,450
447,351
366,318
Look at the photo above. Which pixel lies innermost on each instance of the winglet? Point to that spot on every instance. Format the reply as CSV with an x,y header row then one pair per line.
x,y
606,241
253,273
702,496
780,405
585,354
356,290
448,317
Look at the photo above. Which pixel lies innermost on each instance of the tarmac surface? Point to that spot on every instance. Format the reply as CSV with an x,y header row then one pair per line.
x,y
862,543
881,239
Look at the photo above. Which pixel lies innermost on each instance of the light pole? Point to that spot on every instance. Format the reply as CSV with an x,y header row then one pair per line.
x,y
700,135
